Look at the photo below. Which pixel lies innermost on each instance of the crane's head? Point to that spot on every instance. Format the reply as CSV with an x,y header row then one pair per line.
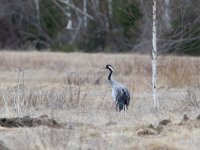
x,y
110,68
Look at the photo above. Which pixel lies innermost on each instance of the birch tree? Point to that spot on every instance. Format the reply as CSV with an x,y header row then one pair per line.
x,y
110,9
166,15
154,56
85,13
37,7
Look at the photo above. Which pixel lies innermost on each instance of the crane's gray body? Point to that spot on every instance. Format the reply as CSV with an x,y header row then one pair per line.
x,y
120,95
120,92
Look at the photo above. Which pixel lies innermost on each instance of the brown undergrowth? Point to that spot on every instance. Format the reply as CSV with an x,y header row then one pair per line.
x,y
75,94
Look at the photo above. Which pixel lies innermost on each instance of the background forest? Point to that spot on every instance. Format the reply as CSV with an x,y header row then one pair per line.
x,y
99,25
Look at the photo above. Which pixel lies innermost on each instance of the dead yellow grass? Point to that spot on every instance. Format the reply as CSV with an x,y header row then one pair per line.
x,y
73,90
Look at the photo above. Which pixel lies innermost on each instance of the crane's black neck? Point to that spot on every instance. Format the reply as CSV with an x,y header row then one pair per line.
x,y
109,76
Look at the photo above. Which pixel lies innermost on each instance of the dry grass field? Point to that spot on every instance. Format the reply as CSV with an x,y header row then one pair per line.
x,y
69,99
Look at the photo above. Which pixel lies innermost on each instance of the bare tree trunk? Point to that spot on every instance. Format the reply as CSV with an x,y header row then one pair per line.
x,y
68,14
97,4
154,56
110,13
110,9
167,17
85,12
76,32
37,7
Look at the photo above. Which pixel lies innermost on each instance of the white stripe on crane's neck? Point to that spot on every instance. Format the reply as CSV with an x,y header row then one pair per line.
x,y
111,68
111,71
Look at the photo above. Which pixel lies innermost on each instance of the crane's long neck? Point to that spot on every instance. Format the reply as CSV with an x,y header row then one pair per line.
x,y
110,74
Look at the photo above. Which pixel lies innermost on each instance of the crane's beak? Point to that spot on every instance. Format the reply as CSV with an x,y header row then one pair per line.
x,y
103,68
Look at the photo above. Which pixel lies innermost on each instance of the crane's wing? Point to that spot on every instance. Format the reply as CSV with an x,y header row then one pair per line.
x,y
121,95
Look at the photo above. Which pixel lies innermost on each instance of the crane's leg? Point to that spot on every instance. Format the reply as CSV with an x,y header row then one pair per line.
x,y
126,108
117,107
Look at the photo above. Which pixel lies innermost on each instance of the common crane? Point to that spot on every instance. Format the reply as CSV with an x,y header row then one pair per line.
x,y
120,93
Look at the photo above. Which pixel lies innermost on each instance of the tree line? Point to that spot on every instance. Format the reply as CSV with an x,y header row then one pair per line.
x,y
100,25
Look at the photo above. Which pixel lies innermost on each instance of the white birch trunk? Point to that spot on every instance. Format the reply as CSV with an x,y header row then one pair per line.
x,y
37,7
110,9
97,4
76,32
154,56
167,17
110,14
85,12
68,14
